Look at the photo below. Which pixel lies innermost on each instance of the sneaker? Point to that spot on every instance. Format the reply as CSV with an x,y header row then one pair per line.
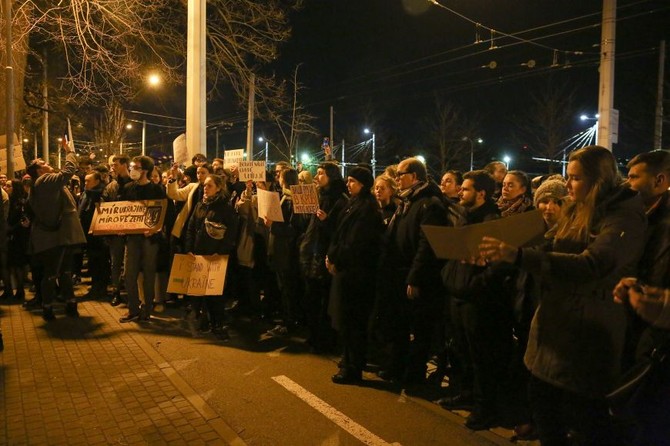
x,y
278,331
159,308
128,317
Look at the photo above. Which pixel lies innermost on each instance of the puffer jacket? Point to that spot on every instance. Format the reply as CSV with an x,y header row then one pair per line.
x,y
212,228
577,333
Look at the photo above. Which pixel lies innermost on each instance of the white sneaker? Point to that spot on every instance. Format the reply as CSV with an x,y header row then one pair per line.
x,y
278,331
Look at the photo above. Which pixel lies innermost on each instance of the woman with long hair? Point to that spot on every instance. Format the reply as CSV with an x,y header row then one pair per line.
x,y
313,249
515,195
212,230
577,333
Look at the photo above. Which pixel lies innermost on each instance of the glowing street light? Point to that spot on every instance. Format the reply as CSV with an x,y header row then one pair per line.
x,y
261,139
373,161
421,158
508,160
305,158
129,126
154,79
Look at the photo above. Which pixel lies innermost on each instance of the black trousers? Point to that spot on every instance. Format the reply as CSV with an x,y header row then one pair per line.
x,y
56,264
567,418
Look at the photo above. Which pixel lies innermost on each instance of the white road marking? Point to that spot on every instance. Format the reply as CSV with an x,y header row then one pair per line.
x,y
334,415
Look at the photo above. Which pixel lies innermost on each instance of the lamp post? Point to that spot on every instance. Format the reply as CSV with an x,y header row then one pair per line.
x,y
261,139
373,161
472,150
508,160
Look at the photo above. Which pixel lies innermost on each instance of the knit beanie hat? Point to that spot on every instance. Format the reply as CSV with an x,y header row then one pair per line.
x,y
552,188
192,173
362,175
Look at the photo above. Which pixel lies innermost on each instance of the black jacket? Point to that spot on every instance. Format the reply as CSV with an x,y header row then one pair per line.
x,y
407,250
223,216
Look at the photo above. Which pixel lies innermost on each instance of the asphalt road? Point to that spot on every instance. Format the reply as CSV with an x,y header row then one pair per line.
x,y
272,391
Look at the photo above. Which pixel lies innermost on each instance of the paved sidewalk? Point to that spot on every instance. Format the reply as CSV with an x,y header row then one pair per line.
x,y
90,381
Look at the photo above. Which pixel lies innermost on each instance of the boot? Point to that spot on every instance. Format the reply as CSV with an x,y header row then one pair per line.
x,y
48,313
71,309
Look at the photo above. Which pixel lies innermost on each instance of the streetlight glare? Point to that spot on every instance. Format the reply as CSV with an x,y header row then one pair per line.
x,y
129,126
305,158
366,131
480,140
583,117
507,159
421,158
261,139
154,79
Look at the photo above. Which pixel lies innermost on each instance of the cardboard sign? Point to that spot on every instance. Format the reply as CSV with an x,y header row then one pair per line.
x,y
179,151
305,199
463,243
269,206
251,170
198,275
232,158
128,217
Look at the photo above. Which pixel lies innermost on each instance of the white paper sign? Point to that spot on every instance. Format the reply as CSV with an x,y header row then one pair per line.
x,y
269,206
232,158
179,151
251,170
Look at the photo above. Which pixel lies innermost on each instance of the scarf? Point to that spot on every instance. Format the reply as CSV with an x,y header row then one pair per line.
x,y
515,206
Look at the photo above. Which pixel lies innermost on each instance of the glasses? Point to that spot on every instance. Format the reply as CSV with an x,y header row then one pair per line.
x,y
399,174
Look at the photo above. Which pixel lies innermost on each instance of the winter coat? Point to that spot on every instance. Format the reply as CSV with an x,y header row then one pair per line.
x,y
285,235
407,251
17,234
55,221
212,228
354,250
185,194
577,333
315,242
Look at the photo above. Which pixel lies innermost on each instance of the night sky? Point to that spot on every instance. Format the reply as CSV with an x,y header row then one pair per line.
x,y
380,62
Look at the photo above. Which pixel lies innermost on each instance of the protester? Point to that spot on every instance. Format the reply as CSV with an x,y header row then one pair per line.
x,y
313,250
577,334
18,233
352,261
450,185
385,193
646,296
212,230
498,170
515,197
409,298
142,248
55,232
96,249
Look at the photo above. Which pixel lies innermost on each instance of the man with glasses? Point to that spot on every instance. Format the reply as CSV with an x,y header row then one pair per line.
x,y
409,279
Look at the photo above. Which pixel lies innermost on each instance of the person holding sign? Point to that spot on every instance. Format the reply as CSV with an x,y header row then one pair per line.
x,y
577,334
352,261
283,253
212,230
141,249
313,249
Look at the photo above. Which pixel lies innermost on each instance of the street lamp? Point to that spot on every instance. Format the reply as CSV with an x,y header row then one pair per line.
x,y
472,150
261,139
507,159
421,158
374,158
153,79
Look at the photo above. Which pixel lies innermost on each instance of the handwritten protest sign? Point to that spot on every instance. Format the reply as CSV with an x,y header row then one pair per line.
x,y
128,217
462,243
198,275
232,158
305,199
269,206
251,170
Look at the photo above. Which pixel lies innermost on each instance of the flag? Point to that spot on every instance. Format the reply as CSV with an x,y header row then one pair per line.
x,y
68,142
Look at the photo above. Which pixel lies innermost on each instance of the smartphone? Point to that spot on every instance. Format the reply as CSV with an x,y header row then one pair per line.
x,y
326,142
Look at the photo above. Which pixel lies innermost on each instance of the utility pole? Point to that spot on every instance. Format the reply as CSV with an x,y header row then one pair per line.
x,y
250,118
342,158
9,81
144,137
45,106
196,58
332,141
606,86
658,131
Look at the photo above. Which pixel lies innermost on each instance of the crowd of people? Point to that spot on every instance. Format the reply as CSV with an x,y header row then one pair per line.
x,y
561,318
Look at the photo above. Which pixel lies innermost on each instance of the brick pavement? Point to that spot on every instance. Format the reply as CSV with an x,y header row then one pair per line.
x,y
92,381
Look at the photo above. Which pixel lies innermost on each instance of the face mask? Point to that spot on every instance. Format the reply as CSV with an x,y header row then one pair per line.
x,y
135,174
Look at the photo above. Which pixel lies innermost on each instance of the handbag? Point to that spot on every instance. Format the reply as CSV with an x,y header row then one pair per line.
x,y
638,383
